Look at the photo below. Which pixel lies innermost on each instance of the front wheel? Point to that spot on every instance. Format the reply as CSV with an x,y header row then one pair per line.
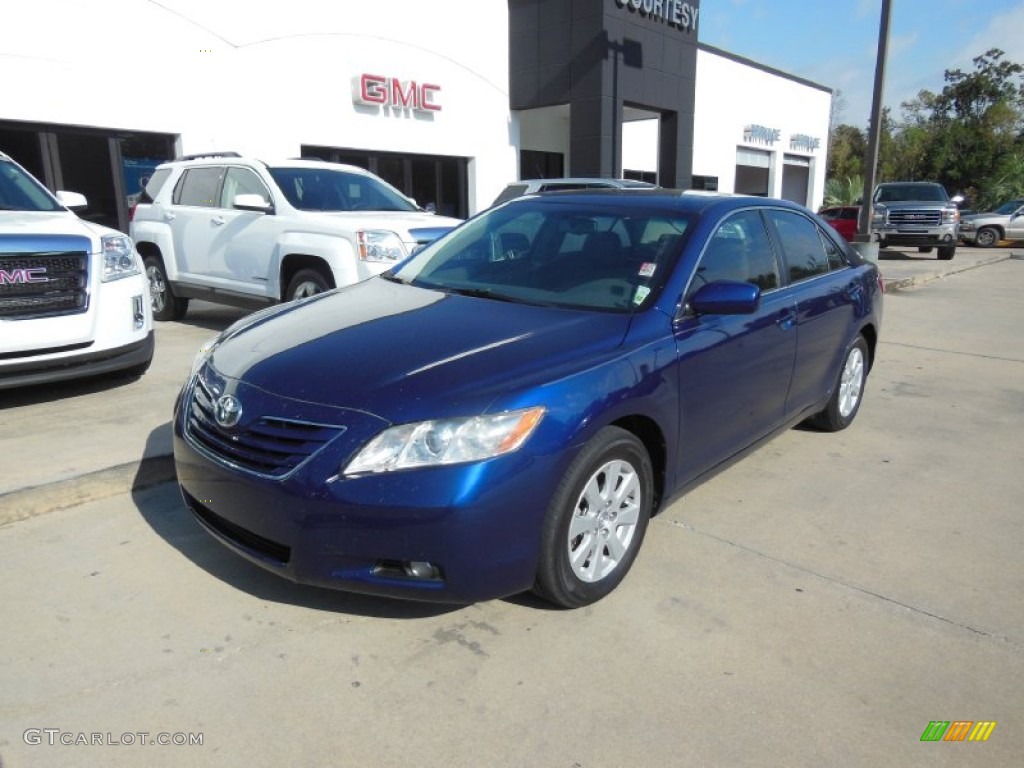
x,y
166,306
986,237
946,252
845,401
596,521
307,282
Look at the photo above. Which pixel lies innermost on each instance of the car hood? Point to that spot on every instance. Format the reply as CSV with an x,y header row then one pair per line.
x,y
986,218
41,224
405,353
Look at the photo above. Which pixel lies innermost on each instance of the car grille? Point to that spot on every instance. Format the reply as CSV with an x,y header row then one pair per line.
x,y
916,217
269,446
63,292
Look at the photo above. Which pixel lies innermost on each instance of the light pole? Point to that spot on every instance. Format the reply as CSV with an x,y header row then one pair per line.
x,y
862,240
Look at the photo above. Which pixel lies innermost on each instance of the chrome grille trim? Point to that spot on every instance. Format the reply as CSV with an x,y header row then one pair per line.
x,y
270,447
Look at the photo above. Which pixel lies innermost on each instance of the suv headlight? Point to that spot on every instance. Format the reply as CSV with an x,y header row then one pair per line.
x,y
119,258
445,441
380,245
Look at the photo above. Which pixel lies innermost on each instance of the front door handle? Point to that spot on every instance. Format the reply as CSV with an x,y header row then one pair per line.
x,y
786,319
218,220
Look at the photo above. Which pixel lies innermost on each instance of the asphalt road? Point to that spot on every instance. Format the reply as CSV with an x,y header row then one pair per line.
x,y
817,604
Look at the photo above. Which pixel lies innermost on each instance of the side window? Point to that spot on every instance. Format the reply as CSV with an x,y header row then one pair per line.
x,y
803,248
154,185
738,250
242,181
199,187
835,257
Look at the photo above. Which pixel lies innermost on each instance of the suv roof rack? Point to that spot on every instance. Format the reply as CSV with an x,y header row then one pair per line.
x,y
202,155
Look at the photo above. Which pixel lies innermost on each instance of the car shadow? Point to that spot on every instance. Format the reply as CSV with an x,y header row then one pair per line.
x,y
163,510
34,394
212,317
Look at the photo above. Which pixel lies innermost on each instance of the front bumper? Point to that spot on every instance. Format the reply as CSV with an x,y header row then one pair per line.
x,y
917,236
478,524
66,364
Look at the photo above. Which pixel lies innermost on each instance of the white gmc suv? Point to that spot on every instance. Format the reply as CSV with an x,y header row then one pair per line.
x,y
73,298
235,230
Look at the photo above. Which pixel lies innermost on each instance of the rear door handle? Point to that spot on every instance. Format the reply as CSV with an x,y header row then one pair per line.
x,y
168,216
218,220
786,319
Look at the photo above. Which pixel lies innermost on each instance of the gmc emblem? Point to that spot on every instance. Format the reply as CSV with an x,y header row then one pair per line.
x,y
30,275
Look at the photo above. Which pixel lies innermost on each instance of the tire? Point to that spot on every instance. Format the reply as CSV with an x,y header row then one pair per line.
x,y
596,521
849,391
924,249
946,252
306,282
166,306
986,237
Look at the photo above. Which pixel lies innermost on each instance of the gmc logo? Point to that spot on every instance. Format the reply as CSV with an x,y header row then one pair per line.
x,y
22,276
378,91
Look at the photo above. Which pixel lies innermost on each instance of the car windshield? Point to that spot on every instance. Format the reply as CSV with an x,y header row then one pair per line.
x,y
21,192
1008,208
324,189
561,254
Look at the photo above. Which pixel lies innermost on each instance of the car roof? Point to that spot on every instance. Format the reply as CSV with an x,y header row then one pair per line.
x,y
684,201
227,158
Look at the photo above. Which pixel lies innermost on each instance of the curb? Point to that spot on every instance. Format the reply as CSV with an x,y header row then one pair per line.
x,y
906,283
37,500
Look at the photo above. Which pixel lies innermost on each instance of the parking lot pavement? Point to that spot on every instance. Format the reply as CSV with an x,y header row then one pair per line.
x,y
817,604
69,443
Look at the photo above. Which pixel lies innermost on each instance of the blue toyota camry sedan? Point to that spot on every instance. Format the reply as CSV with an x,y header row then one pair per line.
x,y
506,409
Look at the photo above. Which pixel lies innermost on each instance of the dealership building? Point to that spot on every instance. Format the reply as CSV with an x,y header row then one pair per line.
x,y
448,101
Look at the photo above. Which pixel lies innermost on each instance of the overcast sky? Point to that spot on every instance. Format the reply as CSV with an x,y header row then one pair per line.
x,y
835,42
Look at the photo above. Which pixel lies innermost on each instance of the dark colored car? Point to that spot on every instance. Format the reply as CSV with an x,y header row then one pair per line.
x,y
507,408
843,219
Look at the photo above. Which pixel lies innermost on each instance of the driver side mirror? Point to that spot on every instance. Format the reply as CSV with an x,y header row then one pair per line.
x,y
726,297
252,202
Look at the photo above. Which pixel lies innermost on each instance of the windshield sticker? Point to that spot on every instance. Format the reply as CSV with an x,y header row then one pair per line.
x,y
642,291
647,268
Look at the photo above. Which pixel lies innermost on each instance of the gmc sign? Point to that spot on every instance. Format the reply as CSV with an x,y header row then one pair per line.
x,y
22,276
380,91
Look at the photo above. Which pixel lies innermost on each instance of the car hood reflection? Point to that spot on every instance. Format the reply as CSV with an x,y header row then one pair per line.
x,y
405,353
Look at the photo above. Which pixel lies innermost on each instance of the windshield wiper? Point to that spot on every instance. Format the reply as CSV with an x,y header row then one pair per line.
x,y
391,277
478,293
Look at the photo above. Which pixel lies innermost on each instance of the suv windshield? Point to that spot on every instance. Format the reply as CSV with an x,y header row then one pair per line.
x,y
555,254
20,192
321,189
1007,208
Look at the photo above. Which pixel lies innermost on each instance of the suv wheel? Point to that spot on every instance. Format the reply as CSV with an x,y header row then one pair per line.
x,y
946,252
166,306
307,282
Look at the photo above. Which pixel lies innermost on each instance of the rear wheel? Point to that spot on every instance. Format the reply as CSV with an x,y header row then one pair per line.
x,y
306,282
166,306
986,237
596,521
845,402
946,252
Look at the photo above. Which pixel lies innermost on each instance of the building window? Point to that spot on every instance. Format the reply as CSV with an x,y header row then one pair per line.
x,y
706,183
541,165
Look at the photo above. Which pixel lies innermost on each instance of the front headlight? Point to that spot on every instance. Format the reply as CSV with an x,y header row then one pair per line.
x,y
380,245
445,441
878,215
967,226
118,257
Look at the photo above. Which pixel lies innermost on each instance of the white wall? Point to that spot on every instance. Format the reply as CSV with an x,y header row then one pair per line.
x,y
731,95
545,129
267,78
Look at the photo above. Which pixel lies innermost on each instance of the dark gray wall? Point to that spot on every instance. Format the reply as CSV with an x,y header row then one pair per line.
x,y
597,57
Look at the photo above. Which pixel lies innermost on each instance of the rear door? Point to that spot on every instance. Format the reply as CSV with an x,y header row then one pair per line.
x,y
1015,227
826,294
195,205
243,247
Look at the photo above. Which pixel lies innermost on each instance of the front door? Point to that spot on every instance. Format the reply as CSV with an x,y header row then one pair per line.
x,y
734,370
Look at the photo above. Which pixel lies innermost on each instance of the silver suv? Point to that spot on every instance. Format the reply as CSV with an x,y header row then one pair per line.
x,y
239,231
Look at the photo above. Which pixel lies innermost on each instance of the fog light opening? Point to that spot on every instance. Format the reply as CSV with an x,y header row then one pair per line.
x,y
138,313
420,569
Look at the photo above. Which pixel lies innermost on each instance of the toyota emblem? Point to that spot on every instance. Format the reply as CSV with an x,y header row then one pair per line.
x,y
227,411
